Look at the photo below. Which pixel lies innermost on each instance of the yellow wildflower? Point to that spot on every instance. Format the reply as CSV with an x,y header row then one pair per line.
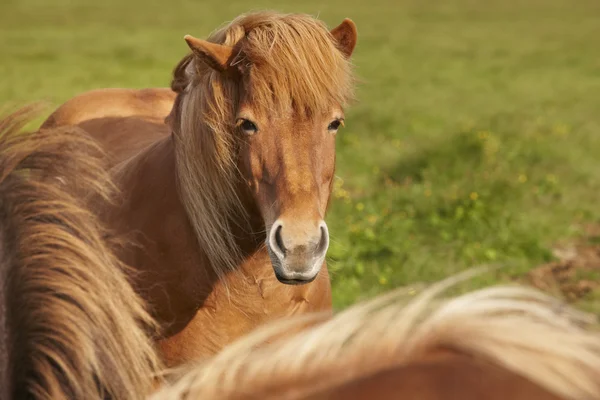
x,y
561,129
483,135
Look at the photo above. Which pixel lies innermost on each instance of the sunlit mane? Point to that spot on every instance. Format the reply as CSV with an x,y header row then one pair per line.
x,y
288,62
516,328
73,326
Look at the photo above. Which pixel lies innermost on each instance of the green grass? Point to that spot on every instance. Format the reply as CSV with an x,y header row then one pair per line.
x,y
476,137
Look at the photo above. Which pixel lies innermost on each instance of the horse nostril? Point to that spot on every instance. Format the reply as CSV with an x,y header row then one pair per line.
x,y
324,241
279,240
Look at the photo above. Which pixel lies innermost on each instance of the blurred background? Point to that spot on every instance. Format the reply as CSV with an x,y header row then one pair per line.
x,y
475,138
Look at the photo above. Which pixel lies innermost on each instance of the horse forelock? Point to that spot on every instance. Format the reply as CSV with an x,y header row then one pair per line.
x,y
287,62
75,325
291,61
519,329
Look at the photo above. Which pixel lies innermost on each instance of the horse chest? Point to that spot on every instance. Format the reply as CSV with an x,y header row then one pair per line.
x,y
235,309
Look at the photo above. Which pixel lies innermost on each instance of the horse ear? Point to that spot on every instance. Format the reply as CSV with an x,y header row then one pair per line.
x,y
346,36
215,55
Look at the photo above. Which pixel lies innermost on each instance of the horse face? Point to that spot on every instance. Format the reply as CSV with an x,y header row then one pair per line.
x,y
289,163
286,94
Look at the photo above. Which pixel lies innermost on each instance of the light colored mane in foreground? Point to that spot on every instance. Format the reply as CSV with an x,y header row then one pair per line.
x,y
284,62
519,329
74,326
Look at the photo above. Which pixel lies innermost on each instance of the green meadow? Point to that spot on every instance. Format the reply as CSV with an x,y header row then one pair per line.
x,y
475,138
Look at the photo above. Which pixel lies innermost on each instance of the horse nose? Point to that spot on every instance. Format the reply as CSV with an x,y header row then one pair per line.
x,y
298,250
315,242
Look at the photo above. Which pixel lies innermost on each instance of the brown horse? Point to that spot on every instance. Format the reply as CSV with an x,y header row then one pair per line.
x,y
496,343
71,326
226,201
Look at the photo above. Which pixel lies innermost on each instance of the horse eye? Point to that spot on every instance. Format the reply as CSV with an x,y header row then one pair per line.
x,y
247,126
335,125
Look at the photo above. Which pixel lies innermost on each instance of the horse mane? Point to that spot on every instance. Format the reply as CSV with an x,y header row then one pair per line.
x,y
517,328
72,326
286,62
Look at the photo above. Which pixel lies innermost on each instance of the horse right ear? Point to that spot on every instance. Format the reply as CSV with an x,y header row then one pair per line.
x,y
345,35
217,56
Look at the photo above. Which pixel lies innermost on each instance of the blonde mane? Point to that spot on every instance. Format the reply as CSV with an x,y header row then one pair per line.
x,y
519,329
73,326
286,62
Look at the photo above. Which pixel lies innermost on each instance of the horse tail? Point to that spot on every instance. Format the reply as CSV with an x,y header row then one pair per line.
x,y
71,325
519,329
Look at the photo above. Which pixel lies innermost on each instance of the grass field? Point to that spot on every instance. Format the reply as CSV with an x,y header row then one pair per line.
x,y
476,137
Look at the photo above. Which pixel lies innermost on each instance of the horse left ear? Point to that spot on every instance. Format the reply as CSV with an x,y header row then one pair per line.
x,y
346,36
215,55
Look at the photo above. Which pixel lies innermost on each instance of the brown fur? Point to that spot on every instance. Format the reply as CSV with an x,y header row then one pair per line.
x,y
457,377
153,104
72,327
495,343
199,194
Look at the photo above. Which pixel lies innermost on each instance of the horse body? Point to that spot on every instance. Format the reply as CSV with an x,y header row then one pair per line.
x,y
225,201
